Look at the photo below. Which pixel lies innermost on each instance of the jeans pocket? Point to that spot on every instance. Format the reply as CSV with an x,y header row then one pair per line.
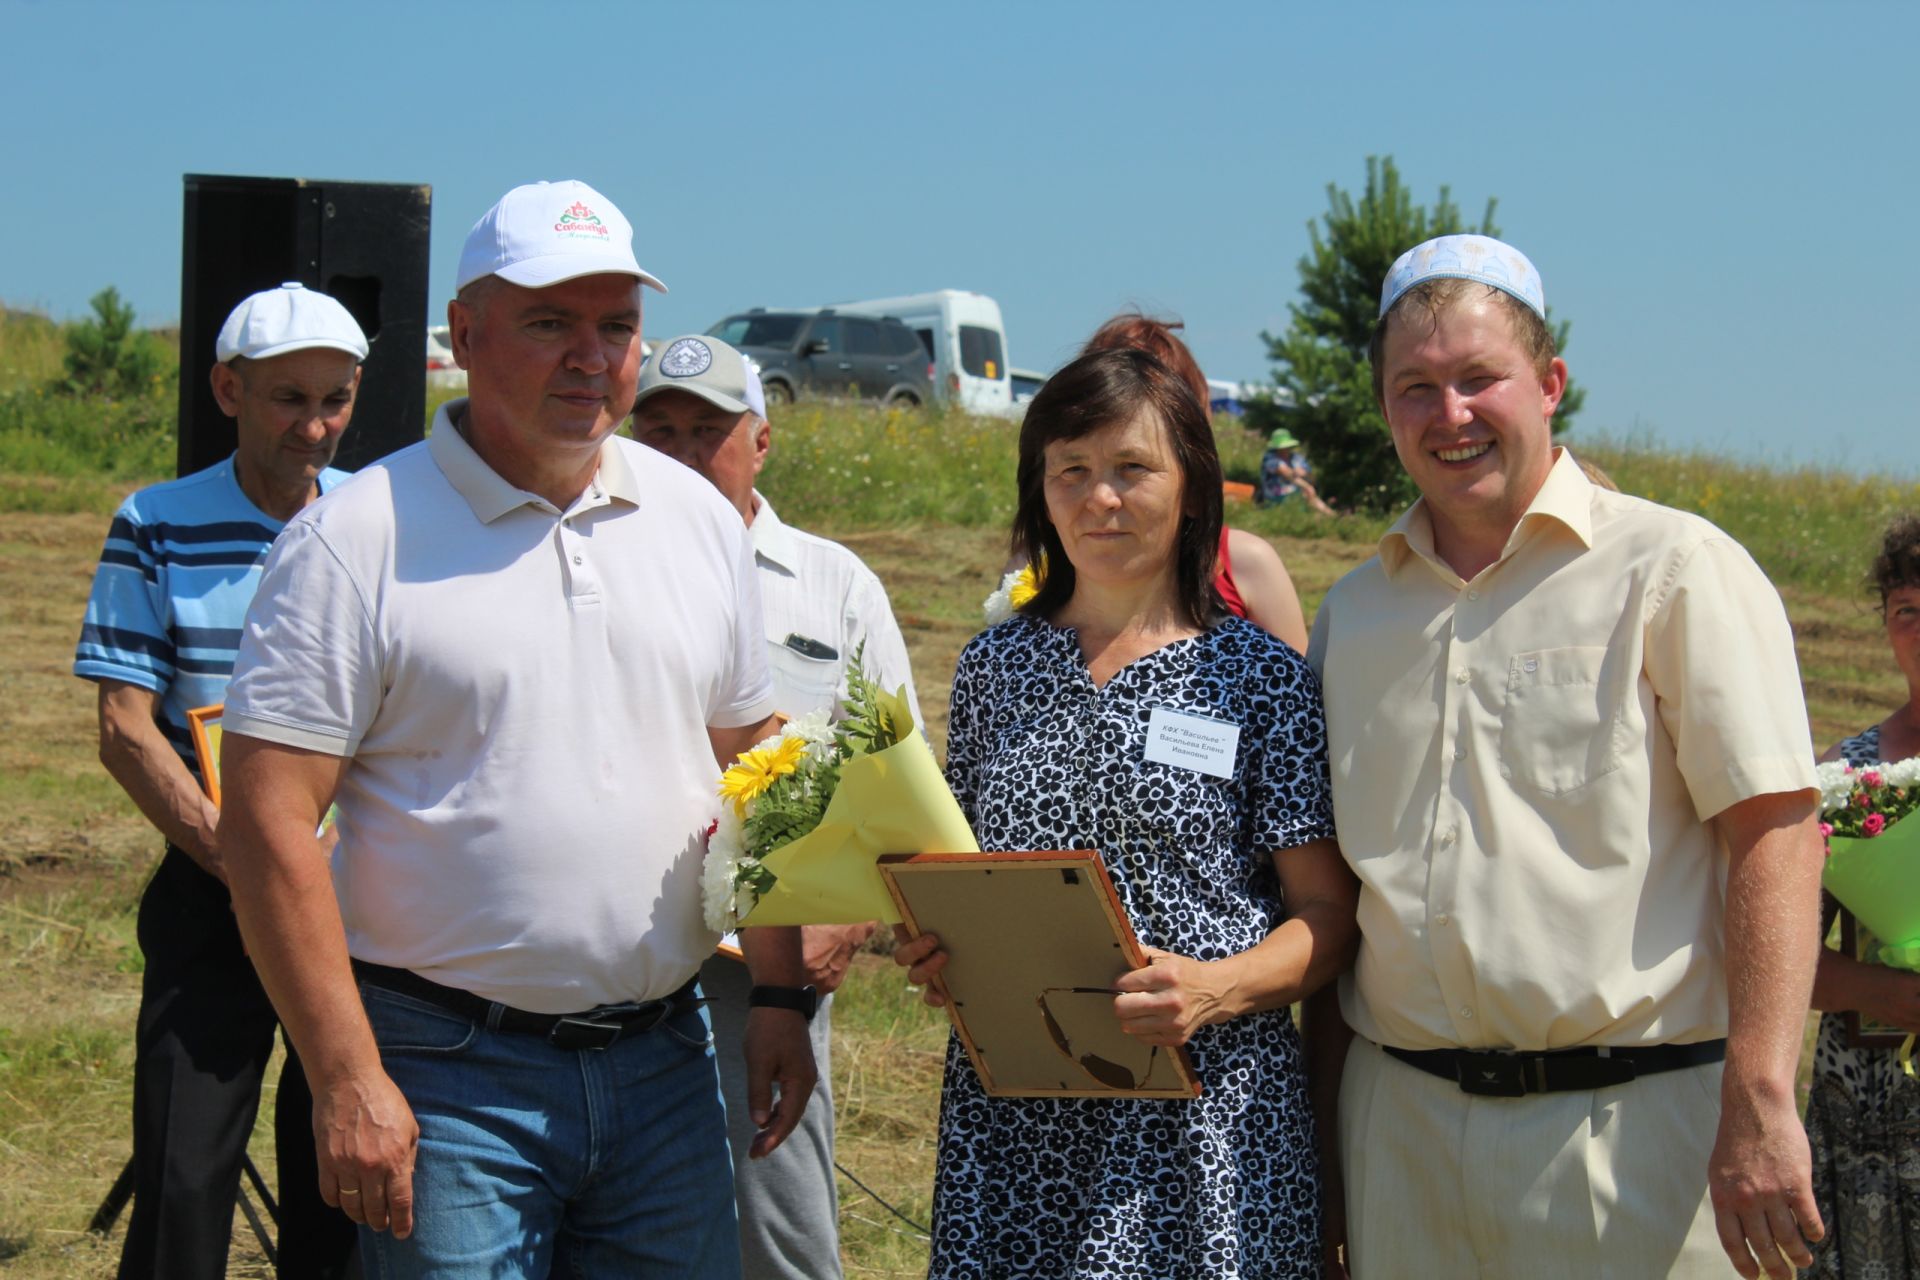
x,y
690,1027
1564,724
402,1024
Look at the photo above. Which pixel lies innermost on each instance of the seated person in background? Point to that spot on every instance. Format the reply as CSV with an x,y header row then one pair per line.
x,y
1863,1115
1283,474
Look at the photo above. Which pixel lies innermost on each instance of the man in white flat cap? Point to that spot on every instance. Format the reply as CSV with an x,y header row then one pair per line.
x,y
1572,771
514,655
700,402
181,562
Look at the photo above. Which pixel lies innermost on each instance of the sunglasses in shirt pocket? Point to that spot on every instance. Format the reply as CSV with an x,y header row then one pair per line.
x,y
1564,724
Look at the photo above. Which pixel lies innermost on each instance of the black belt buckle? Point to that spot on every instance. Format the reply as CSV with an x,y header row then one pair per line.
x,y
584,1033
1491,1075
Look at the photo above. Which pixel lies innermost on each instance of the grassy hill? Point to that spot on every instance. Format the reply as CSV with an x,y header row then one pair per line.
x,y
923,498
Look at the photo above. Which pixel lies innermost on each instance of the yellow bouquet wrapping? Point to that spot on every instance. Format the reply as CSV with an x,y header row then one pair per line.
x,y
809,811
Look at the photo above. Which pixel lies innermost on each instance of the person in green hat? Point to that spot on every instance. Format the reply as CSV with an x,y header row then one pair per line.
x,y
1283,474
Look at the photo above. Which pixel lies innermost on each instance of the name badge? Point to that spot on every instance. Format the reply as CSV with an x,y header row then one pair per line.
x,y
1200,743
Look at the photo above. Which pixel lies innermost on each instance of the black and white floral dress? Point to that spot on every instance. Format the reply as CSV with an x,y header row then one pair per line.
x,y
1863,1123
1218,1187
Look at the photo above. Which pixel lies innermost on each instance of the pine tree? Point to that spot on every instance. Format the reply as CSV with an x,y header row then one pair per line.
x,y
107,356
1320,363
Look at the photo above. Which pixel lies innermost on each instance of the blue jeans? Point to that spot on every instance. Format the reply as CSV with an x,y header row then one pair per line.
x,y
535,1160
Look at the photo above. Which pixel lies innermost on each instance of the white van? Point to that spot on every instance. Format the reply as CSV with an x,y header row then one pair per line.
x,y
963,333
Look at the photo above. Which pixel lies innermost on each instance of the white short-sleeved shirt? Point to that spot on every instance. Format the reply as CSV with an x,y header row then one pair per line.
x,y
524,694
821,602
1525,766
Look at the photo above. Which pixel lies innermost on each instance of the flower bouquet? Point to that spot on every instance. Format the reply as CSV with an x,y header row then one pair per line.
x,y
1873,856
806,814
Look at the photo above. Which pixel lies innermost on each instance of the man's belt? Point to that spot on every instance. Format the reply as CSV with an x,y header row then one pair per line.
x,y
600,1028
1513,1075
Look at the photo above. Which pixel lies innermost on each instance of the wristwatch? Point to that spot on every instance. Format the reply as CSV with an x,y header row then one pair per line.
x,y
802,1000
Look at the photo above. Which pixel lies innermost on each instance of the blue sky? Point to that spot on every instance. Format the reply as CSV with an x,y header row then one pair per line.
x,y
1719,196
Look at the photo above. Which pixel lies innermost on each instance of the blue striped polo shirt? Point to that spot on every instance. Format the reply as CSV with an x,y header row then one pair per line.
x,y
178,571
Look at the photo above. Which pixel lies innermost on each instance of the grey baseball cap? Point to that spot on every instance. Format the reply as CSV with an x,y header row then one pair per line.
x,y
705,367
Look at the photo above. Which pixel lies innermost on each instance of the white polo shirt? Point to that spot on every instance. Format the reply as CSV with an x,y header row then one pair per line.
x,y
524,695
821,602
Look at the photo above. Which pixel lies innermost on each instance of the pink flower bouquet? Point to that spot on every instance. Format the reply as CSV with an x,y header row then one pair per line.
x,y
1873,852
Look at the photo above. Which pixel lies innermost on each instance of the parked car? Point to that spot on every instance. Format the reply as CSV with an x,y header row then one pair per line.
x,y
964,334
1026,383
820,352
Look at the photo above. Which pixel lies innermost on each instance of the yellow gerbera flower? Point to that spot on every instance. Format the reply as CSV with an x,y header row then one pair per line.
x,y
1025,587
758,769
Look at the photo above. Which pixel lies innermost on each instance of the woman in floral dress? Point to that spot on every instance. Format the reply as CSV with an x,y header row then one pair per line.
x,y
1863,1116
1230,876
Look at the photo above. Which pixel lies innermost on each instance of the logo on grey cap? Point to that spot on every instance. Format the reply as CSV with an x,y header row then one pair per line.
x,y
687,358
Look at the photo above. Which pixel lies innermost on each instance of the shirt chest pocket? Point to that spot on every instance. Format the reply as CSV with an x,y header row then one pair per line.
x,y
1564,723
801,683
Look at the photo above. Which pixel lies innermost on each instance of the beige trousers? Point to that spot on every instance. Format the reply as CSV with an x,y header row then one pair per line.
x,y
1443,1185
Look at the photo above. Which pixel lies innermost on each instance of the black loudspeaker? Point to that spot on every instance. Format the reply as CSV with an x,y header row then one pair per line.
x,y
364,243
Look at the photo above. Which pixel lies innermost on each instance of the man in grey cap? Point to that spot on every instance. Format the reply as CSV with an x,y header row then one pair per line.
x,y
181,562
700,401
1573,775
516,655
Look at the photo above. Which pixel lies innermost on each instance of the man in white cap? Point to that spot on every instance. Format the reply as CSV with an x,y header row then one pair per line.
x,y
700,402
179,568
1573,773
515,655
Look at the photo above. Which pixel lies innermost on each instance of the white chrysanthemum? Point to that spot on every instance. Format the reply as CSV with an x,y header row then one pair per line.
x,y
1837,780
720,891
999,605
1902,773
816,730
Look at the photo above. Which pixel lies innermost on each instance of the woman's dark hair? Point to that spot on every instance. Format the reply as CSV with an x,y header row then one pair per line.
x,y
1157,338
1898,564
1104,389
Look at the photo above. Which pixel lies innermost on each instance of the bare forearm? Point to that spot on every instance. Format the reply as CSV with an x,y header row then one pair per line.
x,y
145,765
1773,945
773,956
283,893
1297,959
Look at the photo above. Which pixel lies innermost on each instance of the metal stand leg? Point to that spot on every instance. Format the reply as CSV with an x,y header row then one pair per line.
x,y
122,1191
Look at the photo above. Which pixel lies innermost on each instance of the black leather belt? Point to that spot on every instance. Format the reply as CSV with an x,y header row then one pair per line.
x,y
600,1028
1513,1075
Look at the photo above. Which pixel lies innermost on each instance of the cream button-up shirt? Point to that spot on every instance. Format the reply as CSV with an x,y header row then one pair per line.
x,y
1525,766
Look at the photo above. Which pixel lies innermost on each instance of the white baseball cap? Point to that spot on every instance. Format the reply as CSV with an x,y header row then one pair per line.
x,y
546,232
290,318
708,368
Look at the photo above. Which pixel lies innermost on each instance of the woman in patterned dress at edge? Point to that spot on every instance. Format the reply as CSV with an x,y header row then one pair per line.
x,y
1863,1115
1233,883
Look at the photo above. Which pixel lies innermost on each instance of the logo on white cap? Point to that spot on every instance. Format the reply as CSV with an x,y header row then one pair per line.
x,y
687,358
578,220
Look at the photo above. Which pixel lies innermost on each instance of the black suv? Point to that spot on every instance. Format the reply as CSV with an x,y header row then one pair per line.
x,y
831,353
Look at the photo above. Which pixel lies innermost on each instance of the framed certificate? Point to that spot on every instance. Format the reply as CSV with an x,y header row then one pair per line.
x,y
204,724
1034,942
1864,1032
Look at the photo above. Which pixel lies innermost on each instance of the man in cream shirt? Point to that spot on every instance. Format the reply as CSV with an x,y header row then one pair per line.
x,y
700,401
1573,773
515,653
